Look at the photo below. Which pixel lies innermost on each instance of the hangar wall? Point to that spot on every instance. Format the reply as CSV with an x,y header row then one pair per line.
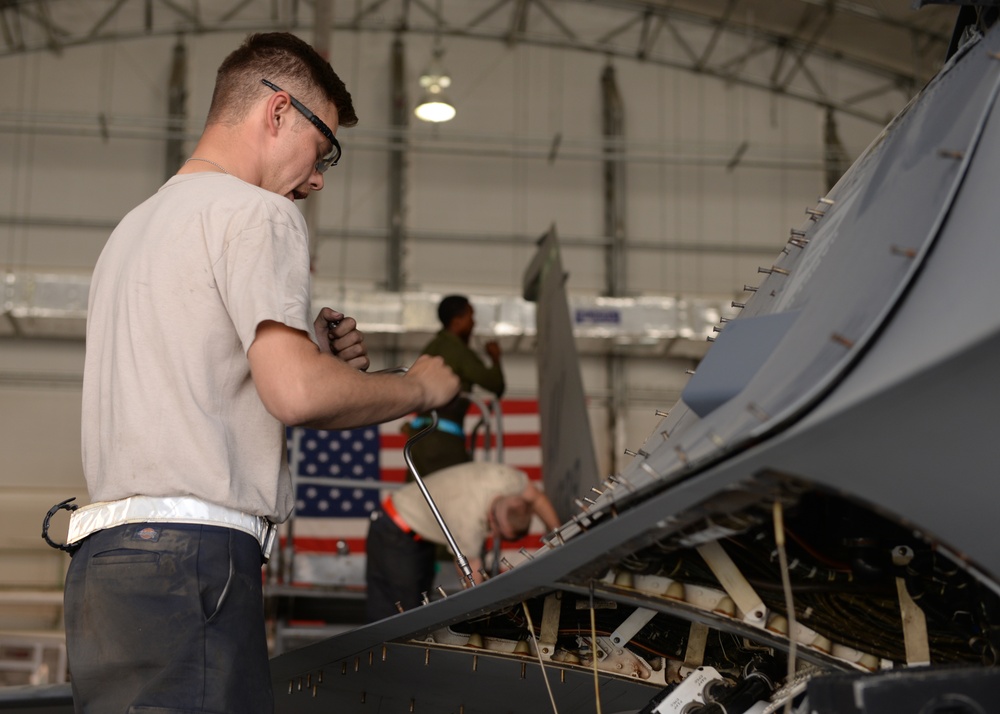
x,y
82,140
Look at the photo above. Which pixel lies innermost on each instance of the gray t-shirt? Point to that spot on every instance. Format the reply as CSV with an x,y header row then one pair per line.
x,y
169,406
462,494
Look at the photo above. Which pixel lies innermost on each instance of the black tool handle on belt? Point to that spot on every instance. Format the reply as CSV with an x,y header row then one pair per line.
x,y
66,505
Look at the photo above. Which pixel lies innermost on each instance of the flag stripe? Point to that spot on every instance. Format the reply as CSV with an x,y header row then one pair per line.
x,y
304,544
510,440
399,475
512,406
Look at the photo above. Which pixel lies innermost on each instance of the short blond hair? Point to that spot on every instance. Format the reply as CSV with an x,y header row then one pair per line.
x,y
516,513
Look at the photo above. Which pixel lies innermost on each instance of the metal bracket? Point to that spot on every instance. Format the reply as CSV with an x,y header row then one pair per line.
x,y
736,586
624,633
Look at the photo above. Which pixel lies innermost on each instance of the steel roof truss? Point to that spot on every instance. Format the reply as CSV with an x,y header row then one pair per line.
x,y
720,27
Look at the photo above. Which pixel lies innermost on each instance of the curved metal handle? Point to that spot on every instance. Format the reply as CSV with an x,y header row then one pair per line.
x,y
66,505
463,562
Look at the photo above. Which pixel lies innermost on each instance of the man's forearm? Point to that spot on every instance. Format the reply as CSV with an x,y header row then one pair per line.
x,y
299,385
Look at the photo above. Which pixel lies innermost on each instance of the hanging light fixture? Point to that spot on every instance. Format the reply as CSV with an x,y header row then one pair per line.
x,y
434,105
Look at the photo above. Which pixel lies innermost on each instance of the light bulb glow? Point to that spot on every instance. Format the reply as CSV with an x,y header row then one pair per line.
x,y
434,109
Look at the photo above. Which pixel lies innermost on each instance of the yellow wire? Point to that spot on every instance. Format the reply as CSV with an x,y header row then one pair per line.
x,y
786,585
538,651
593,645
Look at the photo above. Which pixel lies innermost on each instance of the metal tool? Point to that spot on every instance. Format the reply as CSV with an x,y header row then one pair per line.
x,y
66,505
463,562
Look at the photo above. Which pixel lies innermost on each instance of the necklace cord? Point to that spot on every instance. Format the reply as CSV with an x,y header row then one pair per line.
x,y
209,161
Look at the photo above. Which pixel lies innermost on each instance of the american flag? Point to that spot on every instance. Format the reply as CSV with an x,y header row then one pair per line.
x,y
362,466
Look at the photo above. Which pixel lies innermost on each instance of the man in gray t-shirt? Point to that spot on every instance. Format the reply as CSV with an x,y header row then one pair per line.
x,y
199,350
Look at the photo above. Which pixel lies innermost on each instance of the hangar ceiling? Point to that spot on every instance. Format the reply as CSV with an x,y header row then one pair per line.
x,y
768,44
774,45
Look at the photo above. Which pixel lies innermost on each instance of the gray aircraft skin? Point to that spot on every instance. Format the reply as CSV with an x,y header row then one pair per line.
x,y
856,390
834,450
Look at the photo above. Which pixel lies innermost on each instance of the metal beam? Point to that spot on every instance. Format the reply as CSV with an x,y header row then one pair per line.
x,y
634,29
176,109
716,34
322,30
613,129
399,117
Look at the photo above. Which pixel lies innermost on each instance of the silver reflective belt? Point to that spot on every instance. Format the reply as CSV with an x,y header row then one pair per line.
x,y
169,509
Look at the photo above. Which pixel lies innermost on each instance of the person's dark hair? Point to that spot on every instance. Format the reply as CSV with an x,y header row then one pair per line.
x,y
451,307
284,59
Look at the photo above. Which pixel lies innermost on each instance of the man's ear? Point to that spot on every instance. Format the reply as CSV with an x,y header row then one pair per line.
x,y
277,111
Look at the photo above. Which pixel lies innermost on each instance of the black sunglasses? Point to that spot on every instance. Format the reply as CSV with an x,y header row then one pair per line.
x,y
333,156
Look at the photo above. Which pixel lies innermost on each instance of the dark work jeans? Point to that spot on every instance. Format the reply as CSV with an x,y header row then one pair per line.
x,y
398,568
167,618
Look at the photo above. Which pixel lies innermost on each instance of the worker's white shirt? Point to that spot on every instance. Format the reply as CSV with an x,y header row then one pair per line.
x,y
463,495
